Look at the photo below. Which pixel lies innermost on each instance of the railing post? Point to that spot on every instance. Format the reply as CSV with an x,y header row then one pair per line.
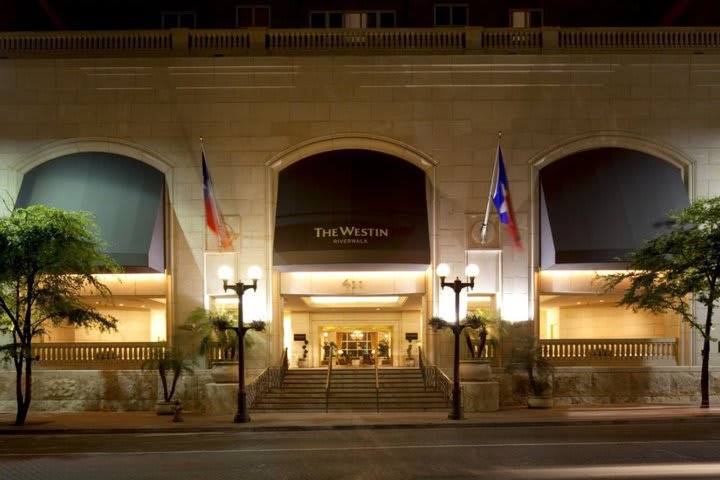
x,y
473,38
257,40
550,39
180,41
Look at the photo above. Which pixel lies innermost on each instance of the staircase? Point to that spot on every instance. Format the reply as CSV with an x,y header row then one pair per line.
x,y
353,389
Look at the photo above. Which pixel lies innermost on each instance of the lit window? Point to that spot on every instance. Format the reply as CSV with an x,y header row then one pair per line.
x,y
451,15
364,19
526,18
355,20
178,19
252,16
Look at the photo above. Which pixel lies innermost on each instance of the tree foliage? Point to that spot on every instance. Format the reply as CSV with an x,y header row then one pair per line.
x,y
48,260
674,269
480,328
529,358
171,364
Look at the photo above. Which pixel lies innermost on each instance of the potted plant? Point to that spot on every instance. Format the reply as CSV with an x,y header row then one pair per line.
x,y
302,361
409,360
170,364
537,386
476,329
218,342
384,350
329,349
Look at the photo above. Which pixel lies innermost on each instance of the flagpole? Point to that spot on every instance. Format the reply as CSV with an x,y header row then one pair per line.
x,y
202,157
493,180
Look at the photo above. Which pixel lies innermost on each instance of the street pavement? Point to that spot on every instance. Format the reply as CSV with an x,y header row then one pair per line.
x,y
149,422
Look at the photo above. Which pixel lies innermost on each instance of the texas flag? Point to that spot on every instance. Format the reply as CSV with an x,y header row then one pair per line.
x,y
503,202
213,216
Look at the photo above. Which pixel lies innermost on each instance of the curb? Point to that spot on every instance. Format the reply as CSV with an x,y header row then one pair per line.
x,y
170,428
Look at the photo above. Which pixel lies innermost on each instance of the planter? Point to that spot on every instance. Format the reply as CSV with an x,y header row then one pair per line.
x,y
224,372
409,362
540,402
165,408
475,370
302,363
355,362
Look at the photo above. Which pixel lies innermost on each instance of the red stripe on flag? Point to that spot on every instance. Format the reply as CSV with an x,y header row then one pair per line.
x,y
213,215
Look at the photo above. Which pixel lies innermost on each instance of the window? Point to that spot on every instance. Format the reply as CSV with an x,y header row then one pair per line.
x,y
451,15
178,19
364,19
252,16
526,18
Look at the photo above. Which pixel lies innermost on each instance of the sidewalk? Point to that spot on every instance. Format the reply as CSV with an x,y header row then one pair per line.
x,y
149,422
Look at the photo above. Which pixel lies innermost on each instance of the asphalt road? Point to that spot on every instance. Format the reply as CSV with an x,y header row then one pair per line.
x,y
685,450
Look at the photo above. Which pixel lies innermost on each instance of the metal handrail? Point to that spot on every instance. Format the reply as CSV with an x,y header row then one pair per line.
x,y
284,365
328,381
377,382
435,378
421,362
271,377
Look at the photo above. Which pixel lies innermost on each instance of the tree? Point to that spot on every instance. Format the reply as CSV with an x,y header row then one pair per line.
x,y
670,270
172,363
48,260
476,327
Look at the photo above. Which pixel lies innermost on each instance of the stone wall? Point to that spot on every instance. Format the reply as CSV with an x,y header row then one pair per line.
x,y
652,385
134,390
101,390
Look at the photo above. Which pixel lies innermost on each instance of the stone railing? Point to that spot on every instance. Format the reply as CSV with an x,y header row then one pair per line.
x,y
660,39
405,41
96,356
616,352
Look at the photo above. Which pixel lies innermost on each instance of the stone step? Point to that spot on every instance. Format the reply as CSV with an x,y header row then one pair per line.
x,y
353,389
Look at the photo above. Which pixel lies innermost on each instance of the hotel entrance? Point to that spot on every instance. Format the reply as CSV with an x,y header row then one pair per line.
x,y
364,347
352,252
327,323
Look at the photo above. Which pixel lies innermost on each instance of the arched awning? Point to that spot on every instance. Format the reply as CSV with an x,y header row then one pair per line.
x,y
598,205
351,210
125,195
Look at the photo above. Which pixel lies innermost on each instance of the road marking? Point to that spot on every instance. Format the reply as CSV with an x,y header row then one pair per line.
x,y
366,448
658,470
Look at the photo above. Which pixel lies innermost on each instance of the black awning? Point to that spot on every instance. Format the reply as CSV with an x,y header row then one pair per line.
x,y
124,194
598,205
351,210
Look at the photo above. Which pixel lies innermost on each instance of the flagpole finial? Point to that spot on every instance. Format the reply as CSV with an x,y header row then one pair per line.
x,y
201,139
499,133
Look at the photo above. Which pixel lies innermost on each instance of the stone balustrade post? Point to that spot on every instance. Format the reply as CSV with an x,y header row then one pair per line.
x,y
473,38
180,41
550,39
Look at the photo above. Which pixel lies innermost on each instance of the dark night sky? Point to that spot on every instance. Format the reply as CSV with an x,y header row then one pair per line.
x,y
39,15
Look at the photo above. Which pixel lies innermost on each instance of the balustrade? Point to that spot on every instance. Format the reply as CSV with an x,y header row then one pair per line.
x,y
405,41
96,356
618,352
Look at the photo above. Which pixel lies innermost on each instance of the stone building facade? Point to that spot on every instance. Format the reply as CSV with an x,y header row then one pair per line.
x,y
265,101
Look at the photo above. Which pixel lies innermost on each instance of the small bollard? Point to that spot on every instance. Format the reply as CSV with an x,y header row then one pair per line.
x,y
177,412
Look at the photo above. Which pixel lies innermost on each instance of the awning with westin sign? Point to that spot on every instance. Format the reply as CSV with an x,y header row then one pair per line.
x,y
351,210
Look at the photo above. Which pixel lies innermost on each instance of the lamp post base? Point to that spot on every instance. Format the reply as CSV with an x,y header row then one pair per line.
x,y
456,416
241,418
241,415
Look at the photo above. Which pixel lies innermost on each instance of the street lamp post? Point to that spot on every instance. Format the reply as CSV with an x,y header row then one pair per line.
x,y
443,270
225,273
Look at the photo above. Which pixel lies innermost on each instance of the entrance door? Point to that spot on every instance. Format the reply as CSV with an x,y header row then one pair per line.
x,y
358,347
